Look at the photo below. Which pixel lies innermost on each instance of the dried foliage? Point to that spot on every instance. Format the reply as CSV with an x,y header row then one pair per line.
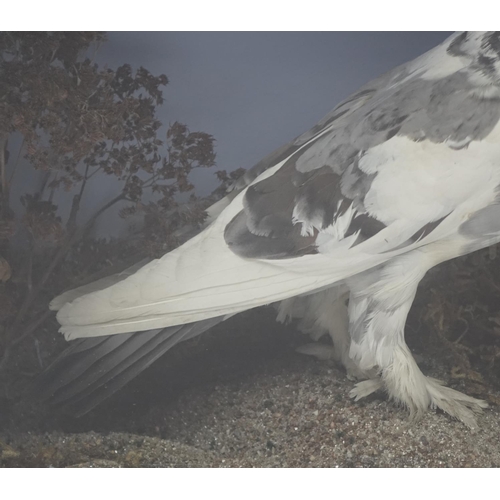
x,y
65,120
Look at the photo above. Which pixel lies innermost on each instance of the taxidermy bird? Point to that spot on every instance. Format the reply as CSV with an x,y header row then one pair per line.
x,y
401,176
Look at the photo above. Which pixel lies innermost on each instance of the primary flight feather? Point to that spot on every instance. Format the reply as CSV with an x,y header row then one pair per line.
x,y
401,176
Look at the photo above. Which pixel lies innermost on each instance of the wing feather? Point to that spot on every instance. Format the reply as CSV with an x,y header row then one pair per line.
x,y
402,163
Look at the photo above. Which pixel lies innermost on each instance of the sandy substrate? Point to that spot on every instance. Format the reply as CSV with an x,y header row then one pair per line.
x,y
242,397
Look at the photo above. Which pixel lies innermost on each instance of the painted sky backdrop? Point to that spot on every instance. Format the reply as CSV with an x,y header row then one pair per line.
x,y
256,91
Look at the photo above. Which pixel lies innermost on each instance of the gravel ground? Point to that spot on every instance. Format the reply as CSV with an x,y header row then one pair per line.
x,y
242,397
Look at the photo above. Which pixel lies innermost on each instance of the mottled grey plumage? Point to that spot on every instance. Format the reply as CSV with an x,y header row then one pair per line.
x,y
455,109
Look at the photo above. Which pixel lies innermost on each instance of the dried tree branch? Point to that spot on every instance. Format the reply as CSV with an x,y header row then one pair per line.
x,y
3,174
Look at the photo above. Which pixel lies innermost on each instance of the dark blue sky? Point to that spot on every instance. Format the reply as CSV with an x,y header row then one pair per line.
x,y
255,91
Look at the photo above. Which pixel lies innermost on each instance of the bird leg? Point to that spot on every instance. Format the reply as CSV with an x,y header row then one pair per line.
x,y
419,392
378,308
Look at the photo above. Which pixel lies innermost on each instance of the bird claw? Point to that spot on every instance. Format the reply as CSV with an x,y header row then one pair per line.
x,y
454,403
365,388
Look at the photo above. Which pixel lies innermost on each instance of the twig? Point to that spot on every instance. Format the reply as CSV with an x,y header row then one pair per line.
x,y
75,206
77,235
17,160
94,172
29,330
3,176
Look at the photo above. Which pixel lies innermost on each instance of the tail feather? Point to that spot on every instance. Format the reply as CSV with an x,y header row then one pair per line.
x,y
76,360
108,362
92,369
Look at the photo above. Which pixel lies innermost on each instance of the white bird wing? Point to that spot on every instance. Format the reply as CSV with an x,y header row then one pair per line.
x,y
406,161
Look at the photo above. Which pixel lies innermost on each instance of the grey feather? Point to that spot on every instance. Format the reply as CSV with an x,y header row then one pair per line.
x,y
92,369
484,222
321,179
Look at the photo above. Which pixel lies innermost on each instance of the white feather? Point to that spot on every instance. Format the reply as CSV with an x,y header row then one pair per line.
x,y
415,183
203,278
